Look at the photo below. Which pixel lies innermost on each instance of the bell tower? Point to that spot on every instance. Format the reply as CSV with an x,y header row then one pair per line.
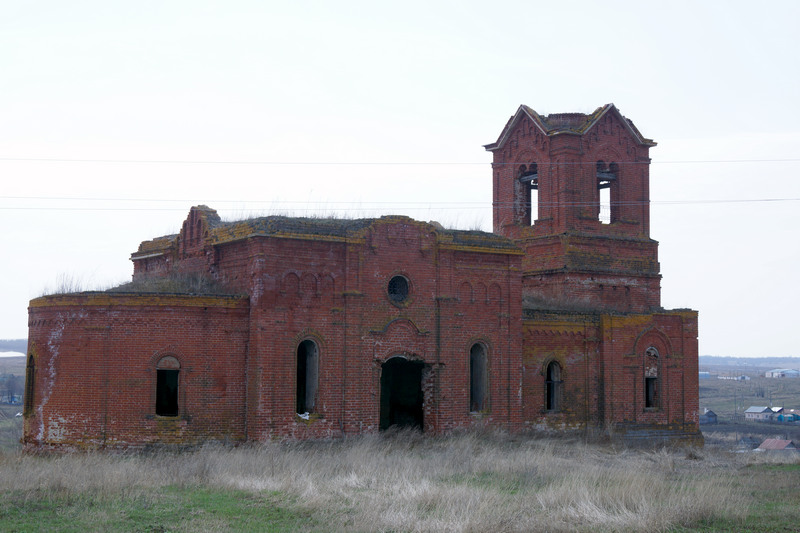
x,y
573,190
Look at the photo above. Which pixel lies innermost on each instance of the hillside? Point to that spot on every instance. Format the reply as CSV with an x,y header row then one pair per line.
x,y
14,345
745,365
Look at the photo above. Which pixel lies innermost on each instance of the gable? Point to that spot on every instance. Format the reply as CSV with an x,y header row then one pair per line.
x,y
567,124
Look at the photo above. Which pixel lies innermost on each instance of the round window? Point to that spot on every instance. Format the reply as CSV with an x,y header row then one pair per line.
x,y
398,289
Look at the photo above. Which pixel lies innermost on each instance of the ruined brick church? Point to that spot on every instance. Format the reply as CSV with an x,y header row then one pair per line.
x,y
330,327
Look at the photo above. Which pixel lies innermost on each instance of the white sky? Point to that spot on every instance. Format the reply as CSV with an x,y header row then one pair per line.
x,y
381,109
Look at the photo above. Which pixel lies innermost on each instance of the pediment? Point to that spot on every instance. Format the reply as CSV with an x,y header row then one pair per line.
x,y
566,124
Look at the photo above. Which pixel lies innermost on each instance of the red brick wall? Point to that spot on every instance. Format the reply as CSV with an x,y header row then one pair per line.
x,y
96,353
335,294
329,290
602,357
326,282
566,233
96,356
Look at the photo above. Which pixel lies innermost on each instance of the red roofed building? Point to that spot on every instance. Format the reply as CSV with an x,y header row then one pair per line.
x,y
310,328
777,445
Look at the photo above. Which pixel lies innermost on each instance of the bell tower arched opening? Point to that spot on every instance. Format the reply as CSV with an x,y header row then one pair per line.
x,y
573,190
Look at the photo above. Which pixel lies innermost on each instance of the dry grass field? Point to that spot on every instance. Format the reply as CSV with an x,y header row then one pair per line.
x,y
409,482
403,482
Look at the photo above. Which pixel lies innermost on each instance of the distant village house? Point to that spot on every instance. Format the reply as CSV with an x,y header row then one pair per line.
x,y
782,373
708,417
777,445
758,414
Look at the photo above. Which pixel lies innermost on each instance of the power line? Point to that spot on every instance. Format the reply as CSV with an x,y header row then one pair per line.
x,y
387,202
299,205
184,200
367,163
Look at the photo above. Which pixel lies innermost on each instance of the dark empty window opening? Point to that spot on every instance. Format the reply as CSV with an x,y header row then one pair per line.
x,y
30,377
477,378
528,176
167,392
651,378
401,394
606,180
650,392
398,289
307,373
553,387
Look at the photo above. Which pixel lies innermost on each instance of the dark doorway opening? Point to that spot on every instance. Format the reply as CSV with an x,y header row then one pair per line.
x,y
401,393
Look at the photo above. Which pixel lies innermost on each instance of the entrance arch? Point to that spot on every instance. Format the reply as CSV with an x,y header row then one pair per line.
x,y
401,393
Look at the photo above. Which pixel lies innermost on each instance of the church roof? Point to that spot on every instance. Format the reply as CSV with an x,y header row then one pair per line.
x,y
323,229
284,225
566,124
342,228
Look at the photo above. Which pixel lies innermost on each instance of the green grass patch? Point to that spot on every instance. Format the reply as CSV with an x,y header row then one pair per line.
x,y
166,509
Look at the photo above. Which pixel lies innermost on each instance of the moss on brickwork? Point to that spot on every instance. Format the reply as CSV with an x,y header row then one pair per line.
x,y
87,299
477,241
327,229
580,123
337,229
157,245
282,226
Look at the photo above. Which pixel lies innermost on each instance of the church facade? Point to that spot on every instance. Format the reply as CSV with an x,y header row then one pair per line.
x,y
281,327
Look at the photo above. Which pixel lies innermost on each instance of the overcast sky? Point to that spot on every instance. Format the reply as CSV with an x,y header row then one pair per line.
x,y
117,117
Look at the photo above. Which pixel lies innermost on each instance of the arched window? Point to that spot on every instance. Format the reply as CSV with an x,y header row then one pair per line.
x,y
552,401
30,377
398,289
477,377
167,371
307,376
606,182
528,176
651,378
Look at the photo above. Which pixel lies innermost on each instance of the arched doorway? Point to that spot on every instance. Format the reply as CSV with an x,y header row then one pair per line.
x,y
401,393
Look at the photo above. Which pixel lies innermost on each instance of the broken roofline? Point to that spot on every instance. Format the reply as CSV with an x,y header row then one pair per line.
x,y
552,131
325,229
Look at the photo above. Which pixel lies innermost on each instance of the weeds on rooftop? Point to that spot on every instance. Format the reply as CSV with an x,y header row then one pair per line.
x,y
175,284
66,284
